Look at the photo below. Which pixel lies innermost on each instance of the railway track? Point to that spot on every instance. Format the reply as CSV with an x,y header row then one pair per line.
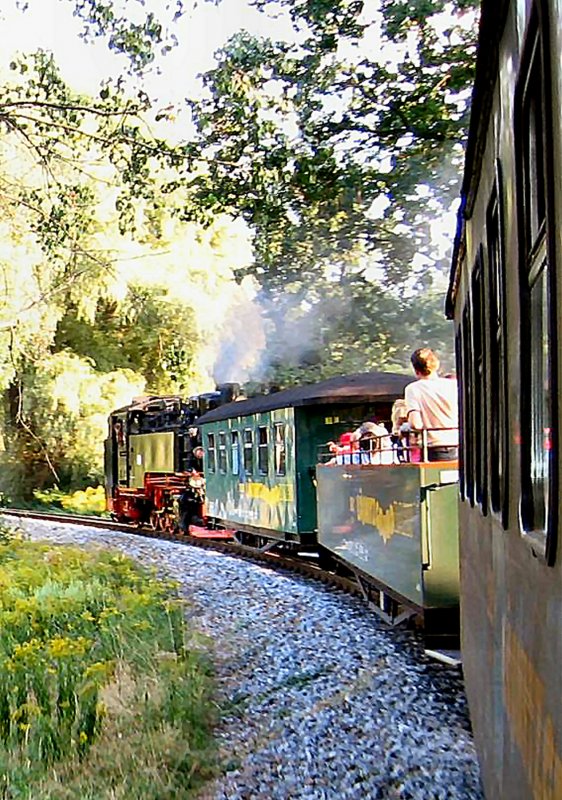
x,y
305,565
273,558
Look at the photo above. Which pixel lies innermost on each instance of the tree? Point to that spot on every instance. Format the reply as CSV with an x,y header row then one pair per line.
x,y
302,142
101,285
305,142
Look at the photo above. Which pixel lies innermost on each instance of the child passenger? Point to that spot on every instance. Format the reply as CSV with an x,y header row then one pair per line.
x,y
375,443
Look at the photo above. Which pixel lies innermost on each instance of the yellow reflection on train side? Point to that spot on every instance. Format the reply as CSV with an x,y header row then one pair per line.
x,y
271,495
369,511
531,725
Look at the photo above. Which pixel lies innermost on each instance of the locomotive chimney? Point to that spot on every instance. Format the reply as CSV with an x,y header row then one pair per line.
x,y
228,392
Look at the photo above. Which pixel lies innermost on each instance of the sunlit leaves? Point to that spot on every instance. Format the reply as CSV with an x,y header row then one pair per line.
x,y
130,30
302,140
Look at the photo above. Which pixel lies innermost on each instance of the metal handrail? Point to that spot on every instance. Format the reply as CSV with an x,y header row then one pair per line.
x,y
357,453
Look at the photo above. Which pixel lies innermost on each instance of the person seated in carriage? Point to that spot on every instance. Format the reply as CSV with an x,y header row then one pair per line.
x,y
374,442
344,450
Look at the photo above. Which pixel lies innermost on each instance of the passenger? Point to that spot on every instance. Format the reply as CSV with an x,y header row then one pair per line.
x,y
195,459
432,404
344,450
400,430
375,442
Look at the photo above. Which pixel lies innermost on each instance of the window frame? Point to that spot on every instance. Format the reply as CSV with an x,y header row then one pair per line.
x,y
280,448
263,450
537,259
480,384
459,357
211,452
222,461
468,406
248,451
235,451
498,484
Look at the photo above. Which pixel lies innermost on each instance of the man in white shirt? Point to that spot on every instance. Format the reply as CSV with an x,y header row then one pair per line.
x,y
432,404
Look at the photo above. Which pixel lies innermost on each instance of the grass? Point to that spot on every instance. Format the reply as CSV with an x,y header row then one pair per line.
x,y
102,692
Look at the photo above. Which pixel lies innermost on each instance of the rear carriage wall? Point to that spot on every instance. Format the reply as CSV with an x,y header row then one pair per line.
x,y
396,524
507,305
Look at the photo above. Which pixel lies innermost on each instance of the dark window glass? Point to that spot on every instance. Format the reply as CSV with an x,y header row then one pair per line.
x,y
262,451
211,452
235,452
533,166
222,453
280,449
497,360
461,369
479,431
540,399
468,409
248,451
537,312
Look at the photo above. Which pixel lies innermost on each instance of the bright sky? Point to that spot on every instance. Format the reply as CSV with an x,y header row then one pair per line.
x,y
49,25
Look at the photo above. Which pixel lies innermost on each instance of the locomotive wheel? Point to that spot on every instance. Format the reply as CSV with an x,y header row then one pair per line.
x,y
168,523
155,521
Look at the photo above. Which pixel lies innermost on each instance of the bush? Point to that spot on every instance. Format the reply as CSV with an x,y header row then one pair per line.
x,y
96,676
88,501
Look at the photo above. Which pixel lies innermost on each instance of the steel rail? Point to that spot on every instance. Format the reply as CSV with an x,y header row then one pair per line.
x,y
274,560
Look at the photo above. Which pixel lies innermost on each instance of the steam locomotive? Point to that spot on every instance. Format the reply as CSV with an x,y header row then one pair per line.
x,y
505,297
152,460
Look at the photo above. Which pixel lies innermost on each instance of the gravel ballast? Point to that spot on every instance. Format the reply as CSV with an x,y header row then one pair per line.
x,y
321,701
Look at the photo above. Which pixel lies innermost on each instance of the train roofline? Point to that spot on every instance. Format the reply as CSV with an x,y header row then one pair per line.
x,y
357,388
492,22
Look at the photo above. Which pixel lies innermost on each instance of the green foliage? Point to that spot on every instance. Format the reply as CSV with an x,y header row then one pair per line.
x,y
90,500
90,313
92,647
67,401
150,333
139,41
302,140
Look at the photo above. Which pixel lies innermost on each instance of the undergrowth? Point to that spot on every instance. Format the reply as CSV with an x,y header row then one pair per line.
x,y
84,501
102,695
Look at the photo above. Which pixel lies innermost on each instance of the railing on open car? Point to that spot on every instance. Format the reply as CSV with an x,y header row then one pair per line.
x,y
408,448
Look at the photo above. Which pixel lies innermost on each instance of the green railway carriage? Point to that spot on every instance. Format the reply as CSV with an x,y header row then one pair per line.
x,y
261,453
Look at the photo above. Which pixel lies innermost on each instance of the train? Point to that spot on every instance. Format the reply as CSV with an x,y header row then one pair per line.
x,y
275,477
505,298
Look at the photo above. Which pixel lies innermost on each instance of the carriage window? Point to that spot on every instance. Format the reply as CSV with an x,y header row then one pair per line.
x,y
262,450
461,367
479,418
537,308
497,360
211,463
280,456
222,453
468,407
248,451
235,452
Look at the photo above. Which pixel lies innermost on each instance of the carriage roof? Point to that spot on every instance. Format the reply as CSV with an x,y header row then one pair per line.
x,y
344,389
